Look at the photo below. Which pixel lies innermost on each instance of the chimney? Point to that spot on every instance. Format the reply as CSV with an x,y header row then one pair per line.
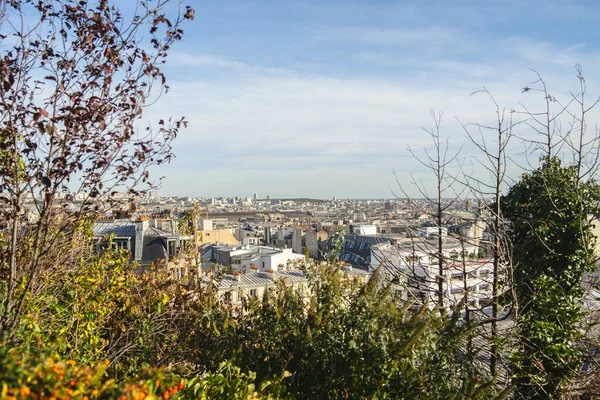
x,y
268,273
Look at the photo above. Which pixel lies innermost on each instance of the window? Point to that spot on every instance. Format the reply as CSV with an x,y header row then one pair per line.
x,y
227,296
253,293
120,244
172,248
456,276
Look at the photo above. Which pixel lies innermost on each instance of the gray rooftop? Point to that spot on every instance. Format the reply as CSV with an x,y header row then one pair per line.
x,y
254,278
120,227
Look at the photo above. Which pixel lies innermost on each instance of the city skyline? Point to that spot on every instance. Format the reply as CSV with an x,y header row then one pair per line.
x,y
321,99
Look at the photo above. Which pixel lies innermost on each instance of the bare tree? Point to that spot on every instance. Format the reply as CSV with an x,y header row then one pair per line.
x,y
492,142
75,78
438,161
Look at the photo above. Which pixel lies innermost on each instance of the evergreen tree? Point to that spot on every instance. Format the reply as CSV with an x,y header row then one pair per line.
x,y
552,248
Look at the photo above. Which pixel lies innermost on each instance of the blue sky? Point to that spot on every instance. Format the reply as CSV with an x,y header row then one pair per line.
x,y
321,98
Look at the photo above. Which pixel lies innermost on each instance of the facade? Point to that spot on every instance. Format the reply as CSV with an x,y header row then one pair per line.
x,y
236,287
411,267
297,237
363,229
148,240
247,257
248,236
257,269
221,236
431,232
316,243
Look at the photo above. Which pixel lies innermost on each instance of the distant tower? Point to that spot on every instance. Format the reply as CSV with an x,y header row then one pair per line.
x,y
334,199
268,197
255,197
297,241
268,236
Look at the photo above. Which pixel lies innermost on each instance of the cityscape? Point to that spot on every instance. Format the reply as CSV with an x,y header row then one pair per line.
x,y
253,235
294,200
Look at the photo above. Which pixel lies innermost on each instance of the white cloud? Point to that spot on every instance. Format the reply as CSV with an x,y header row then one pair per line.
x,y
431,36
205,60
312,135
179,59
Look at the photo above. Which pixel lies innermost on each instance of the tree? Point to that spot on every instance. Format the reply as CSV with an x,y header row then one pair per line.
x,y
74,80
437,160
494,165
552,248
353,341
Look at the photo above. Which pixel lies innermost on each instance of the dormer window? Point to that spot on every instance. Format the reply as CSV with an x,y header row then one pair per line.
x,y
172,247
121,243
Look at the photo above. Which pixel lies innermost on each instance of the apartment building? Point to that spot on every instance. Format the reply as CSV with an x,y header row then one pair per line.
x,y
411,267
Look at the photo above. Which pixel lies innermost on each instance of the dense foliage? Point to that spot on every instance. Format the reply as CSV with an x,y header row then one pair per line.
x,y
551,213
100,329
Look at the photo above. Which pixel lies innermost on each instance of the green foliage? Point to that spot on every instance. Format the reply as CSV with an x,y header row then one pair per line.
x,y
228,382
552,248
349,341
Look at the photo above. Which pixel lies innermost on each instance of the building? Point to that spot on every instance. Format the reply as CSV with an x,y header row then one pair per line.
x,y
149,241
316,243
297,240
248,257
236,287
214,236
249,236
362,229
431,232
412,267
355,249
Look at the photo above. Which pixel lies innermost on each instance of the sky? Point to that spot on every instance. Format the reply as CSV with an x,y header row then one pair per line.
x,y
322,98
